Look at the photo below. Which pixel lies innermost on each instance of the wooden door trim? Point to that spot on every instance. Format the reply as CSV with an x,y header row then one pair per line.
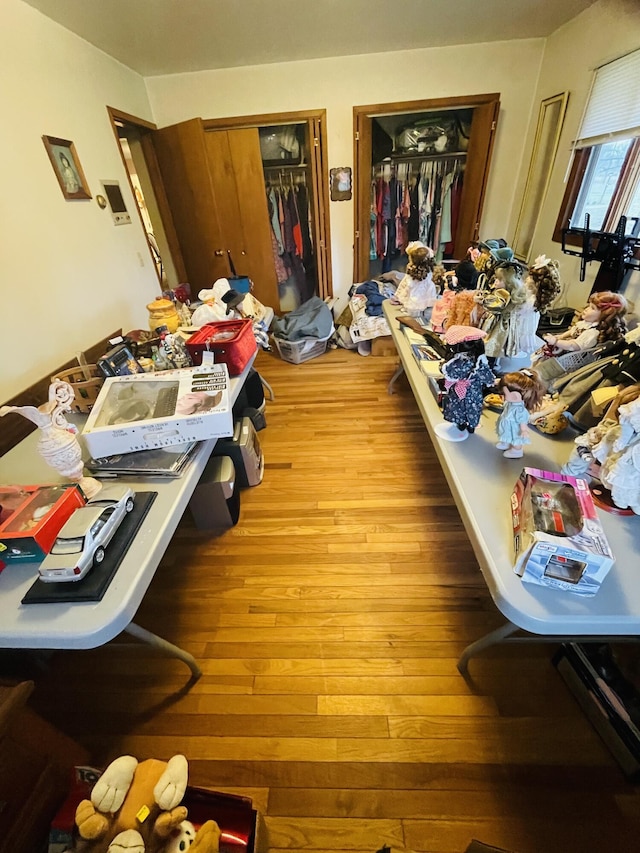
x,y
263,119
456,102
162,201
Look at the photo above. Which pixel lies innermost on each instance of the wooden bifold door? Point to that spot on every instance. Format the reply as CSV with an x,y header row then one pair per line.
x,y
214,178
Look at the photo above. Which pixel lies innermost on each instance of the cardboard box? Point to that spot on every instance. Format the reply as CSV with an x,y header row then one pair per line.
x,y
558,539
28,533
149,410
383,345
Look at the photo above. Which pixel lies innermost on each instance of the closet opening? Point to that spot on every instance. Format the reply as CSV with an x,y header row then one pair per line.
x,y
421,174
417,178
293,179
289,189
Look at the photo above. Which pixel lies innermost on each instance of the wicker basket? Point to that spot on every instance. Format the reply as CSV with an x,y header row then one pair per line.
x,y
85,390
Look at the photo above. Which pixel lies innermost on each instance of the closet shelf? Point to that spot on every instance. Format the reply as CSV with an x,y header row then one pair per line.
x,y
301,167
401,158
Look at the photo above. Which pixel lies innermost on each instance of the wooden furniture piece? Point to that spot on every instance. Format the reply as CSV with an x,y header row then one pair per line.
x,y
86,625
481,481
35,771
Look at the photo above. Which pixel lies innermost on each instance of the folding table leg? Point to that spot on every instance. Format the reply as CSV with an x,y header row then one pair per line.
x,y
164,646
396,375
490,639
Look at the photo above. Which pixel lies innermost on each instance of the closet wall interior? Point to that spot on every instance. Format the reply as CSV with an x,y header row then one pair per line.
x,y
289,187
417,181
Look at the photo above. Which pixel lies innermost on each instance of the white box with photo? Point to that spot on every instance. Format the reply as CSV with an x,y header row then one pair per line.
x,y
149,410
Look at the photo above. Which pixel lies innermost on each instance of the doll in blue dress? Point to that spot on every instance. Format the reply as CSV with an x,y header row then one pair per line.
x,y
522,392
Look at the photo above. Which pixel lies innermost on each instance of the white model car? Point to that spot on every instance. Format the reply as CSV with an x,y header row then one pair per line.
x,y
81,543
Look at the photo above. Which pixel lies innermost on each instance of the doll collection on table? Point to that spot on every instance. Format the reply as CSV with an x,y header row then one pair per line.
x,y
488,312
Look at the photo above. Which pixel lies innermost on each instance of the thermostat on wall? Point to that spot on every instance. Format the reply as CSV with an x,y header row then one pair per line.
x,y
116,202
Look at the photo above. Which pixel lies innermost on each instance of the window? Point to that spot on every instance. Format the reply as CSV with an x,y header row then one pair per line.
x,y
604,181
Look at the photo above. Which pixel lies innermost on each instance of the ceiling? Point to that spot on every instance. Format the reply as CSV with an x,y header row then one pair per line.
x,y
171,36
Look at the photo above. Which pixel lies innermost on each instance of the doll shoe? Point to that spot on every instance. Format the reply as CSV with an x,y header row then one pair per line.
x,y
501,445
514,453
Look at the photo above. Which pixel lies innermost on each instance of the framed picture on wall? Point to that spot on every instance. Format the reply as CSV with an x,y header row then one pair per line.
x,y
340,180
62,153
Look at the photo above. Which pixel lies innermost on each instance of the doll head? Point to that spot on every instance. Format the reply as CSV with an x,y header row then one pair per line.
x,y
607,310
439,278
544,281
466,276
465,339
508,276
527,384
421,260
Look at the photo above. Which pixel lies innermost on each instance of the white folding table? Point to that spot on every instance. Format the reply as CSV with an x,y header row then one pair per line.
x,y
481,481
86,625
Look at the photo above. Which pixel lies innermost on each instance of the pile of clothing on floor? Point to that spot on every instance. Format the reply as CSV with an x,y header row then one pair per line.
x,y
362,319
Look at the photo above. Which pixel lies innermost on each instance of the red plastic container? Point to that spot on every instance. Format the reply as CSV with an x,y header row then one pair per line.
x,y
231,341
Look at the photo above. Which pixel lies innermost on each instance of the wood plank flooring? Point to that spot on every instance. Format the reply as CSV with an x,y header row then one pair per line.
x,y
328,624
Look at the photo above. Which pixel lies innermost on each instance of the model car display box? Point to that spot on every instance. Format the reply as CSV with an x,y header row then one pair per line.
x,y
28,531
148,410
235,815
230,342
558,539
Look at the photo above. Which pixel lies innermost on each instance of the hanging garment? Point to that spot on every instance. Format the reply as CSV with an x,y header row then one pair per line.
x,y
281,272
295,222
305,227
275,222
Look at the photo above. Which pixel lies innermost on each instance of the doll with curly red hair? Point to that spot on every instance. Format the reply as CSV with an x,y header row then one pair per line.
x,y
601,320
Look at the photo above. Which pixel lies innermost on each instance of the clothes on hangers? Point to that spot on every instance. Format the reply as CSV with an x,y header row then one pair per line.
x,y
291,230
414,200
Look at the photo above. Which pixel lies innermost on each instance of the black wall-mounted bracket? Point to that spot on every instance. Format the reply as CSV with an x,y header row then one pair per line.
x,y
616,251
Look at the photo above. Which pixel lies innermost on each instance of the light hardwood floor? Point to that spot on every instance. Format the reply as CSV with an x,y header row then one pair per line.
x,y
328,624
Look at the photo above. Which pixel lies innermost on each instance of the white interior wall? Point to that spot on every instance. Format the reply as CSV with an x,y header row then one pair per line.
x,y
68,275
604,31
337,84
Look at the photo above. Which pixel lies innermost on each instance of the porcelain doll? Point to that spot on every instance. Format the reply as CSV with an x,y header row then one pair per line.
x,y
620,461
582,459
417,292
544,282
522,392
455,305
511,318
466,375
602,319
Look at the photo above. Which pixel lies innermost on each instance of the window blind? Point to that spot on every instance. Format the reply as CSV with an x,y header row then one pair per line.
x,y
613,108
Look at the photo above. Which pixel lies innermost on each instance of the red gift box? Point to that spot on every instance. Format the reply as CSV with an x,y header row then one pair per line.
x,y
231,342
29,532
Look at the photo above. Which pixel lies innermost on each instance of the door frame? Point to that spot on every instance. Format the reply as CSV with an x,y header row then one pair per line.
x,y
362,116
146,128
316,121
